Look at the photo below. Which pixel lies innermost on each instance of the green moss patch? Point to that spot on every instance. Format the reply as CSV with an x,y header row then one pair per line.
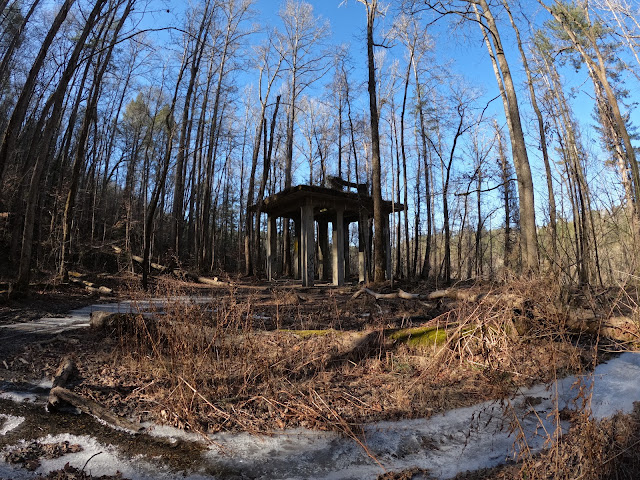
x,y
420,336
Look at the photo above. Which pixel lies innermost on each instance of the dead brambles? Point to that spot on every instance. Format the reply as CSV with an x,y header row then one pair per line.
x,y
263,359
252,362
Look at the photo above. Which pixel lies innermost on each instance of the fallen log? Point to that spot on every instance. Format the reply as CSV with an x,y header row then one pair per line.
x,y
408,296
619,328
212,281
59,394
176,271
90,286
138,259
111,321
452,294
63,373
93,408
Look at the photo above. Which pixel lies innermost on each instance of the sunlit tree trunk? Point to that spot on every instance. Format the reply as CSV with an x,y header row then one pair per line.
x,y
376,177
529,243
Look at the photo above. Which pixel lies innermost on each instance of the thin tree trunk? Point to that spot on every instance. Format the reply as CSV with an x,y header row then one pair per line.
x,y
409,267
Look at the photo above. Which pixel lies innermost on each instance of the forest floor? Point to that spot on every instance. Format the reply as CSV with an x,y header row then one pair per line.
x,y
260,358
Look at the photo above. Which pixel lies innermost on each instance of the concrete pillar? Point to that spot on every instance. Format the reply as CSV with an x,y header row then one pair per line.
x,y
386,231
307,244
272,233
296,249
363,247
338,256
347,268
324,260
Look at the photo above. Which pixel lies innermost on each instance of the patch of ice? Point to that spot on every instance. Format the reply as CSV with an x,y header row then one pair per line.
x,y
171,433
462,439
14,472
459,440
103,460
45,383
19,396
9,422
616,386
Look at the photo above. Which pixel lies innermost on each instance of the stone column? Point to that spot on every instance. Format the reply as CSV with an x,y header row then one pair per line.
x,y
338,247
272,233
296,249
324,260
363,247
386,231
307,244
347,268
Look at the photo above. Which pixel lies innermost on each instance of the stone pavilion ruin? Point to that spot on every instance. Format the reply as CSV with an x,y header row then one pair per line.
x,y
308,205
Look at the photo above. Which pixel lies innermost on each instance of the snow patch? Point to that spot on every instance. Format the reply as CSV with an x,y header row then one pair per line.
x,y
171,433
19,397
102,460
9,422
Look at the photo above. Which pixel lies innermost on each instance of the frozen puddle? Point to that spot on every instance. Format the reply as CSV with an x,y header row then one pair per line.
x,y
459,440
80,317
95,458
9,422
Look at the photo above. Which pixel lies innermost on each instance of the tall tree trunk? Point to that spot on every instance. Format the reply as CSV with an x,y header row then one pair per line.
x,y
376,175
543,142
505,178
426,264
177,215
529,243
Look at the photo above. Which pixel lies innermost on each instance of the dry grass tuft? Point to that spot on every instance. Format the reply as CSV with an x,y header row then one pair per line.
x,y
259,362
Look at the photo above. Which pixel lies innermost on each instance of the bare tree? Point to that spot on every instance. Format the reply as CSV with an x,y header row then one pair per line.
x,y
584,36
373,10
269,67
543,139
195,39
48,123
305,60
12,131
489,28
114,24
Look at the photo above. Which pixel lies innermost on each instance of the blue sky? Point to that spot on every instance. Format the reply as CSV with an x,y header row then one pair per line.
x,y
463,46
